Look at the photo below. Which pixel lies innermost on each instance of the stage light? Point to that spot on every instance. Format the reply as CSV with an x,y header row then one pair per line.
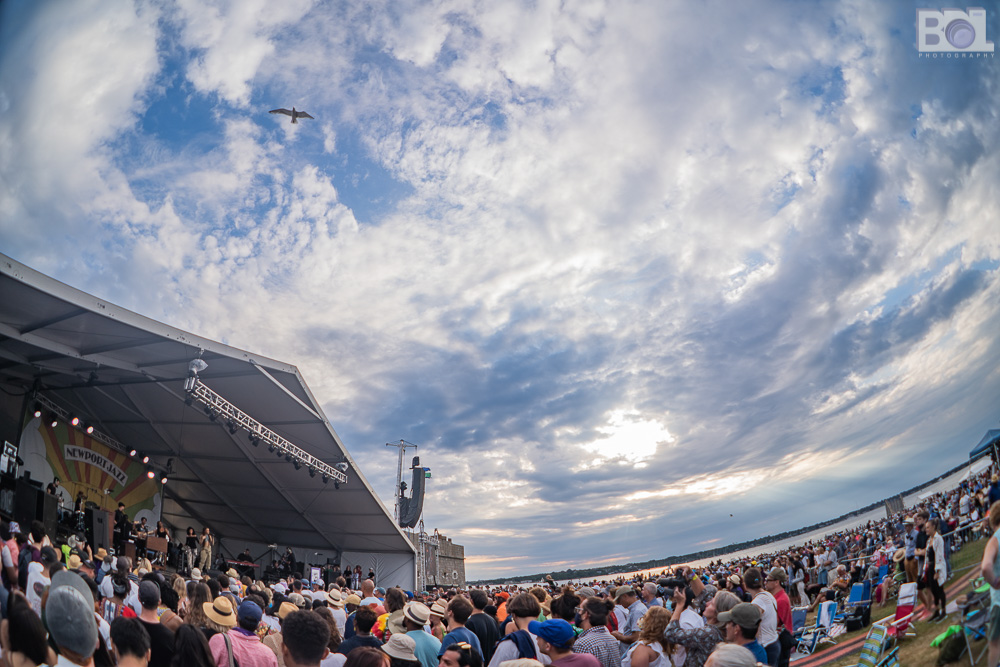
x,y
74,420
280,453
133,452
208,410
288,457
163,479
270,447
336,485
231,425
38,410
149,472
189,400
254,439
325,478
53,420
89,428
145,459
214,415
312,471
298,464
342,466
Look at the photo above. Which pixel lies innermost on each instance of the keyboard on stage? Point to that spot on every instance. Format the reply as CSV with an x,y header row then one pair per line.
x,y
239,563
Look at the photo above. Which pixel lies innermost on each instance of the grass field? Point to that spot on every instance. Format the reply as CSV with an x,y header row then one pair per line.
x,y
916,651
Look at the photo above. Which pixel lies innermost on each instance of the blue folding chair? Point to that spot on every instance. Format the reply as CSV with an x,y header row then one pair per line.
x,y
813,635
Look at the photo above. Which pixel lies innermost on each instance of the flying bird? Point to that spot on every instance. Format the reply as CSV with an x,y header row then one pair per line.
x,y
293,113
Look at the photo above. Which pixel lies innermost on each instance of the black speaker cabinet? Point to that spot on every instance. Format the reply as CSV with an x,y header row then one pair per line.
x,y
48,513
98,528
26,504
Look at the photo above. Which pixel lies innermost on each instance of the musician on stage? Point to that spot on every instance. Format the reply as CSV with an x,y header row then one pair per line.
x,y
190,550
205,543
122,528
141,535
161,531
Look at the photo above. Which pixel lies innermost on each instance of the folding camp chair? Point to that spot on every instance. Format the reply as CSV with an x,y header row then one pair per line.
x,y
901,625
973,616
813,635
875,644
798,621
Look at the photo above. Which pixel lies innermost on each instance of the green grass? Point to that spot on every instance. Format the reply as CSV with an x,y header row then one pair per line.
x,y
916,651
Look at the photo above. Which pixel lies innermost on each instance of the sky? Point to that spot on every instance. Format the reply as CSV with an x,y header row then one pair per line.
x,y
620,269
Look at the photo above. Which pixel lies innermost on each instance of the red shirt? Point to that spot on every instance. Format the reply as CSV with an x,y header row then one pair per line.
x,y
784,609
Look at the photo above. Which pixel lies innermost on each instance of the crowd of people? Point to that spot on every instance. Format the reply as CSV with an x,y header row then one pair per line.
x,y
64,604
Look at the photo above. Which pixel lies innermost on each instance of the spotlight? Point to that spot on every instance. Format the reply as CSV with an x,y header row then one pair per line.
x,y
342,466
270,447
53,420
312,471
214,415
254,439
38,410
298,464
336,485
74,420
189,400
132,452
89,428
325,478
231,425
149,472
163,479
208,410
288,457
145,459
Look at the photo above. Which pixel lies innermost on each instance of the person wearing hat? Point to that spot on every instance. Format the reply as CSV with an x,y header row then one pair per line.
x,y
742,623
68,615
437,621
241,642
161,639
629,633
425,645
351,604
335,600
401,649
555,639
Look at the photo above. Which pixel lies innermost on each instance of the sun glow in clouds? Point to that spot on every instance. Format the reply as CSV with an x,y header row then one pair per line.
x,y
630,437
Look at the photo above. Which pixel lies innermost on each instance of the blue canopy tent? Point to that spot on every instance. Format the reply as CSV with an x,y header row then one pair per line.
x,y
989,442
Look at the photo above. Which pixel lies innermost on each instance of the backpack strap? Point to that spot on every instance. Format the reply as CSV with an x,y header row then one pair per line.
x,y
229,648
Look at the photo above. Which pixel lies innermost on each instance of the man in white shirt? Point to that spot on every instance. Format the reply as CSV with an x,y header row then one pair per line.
x,y
767,633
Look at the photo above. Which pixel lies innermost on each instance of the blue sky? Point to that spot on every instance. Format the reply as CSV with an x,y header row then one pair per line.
x,y
621,269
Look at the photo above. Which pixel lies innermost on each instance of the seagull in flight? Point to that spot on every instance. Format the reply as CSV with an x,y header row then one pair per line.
x,y
293,113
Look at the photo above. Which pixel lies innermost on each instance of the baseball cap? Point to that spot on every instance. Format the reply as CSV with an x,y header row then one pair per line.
x,y
745,615
149,594
69,614
778,574
620,591
249,610
555,631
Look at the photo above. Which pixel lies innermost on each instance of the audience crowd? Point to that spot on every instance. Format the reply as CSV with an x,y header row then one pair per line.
x,y
64,604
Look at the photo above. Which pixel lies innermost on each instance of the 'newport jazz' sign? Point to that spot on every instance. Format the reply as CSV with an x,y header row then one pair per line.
x,y
91,457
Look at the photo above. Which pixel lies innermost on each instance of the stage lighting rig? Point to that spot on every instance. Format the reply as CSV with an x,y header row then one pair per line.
x,y
216,406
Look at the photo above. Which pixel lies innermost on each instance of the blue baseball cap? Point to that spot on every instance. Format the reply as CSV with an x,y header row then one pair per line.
x,y
555,631
248,609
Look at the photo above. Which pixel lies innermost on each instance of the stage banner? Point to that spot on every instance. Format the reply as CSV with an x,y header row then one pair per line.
x,y
84,465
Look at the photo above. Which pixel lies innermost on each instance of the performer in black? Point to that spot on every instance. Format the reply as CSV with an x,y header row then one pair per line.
x,y
141,535
122,528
